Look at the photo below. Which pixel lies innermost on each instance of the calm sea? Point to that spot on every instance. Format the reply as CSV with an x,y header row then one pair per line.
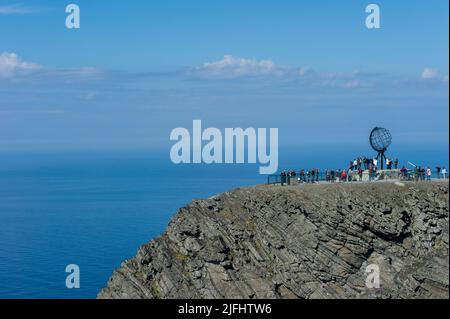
x,y
94,209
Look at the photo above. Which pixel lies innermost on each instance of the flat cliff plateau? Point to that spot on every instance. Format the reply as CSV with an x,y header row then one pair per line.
x,y
314,241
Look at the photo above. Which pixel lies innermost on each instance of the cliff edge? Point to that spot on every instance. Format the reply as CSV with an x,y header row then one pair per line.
x,y
314,241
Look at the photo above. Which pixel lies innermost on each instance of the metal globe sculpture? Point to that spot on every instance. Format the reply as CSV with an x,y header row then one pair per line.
x,y
380,139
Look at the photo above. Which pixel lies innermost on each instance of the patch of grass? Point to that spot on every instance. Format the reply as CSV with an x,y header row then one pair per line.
x,y
155,290
180,257
250,224
225,214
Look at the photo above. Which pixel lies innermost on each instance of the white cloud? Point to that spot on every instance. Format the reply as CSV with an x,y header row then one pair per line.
x,y
230,67
13,68
14,9
304,71
351,84
90,96
11,65
83,72
433,74
429,73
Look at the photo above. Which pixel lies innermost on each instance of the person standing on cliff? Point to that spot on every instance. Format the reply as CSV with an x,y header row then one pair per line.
x,y
360,173
438,170
373,172
344,176
428,174
283,177
421,173
444,172
404,173
302,175
388,163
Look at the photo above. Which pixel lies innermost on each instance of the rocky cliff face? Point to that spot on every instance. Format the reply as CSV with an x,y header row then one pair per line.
x,y
298,242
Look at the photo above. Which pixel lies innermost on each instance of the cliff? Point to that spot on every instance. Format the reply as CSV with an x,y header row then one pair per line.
x,y
314,241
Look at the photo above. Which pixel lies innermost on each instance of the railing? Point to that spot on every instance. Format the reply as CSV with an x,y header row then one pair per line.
x,y
277,179
351,176
415,176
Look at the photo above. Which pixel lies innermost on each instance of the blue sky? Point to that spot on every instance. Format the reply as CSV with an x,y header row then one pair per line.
x,y
137,69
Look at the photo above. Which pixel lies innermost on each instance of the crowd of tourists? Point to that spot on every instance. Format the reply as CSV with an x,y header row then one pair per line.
x,y
367,162
360,166
420,173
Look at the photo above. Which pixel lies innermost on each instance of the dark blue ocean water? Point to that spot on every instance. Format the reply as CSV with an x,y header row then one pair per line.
x,y
95,208
91,209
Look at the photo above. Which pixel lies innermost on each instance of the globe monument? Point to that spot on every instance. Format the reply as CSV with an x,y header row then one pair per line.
x,y
380,139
